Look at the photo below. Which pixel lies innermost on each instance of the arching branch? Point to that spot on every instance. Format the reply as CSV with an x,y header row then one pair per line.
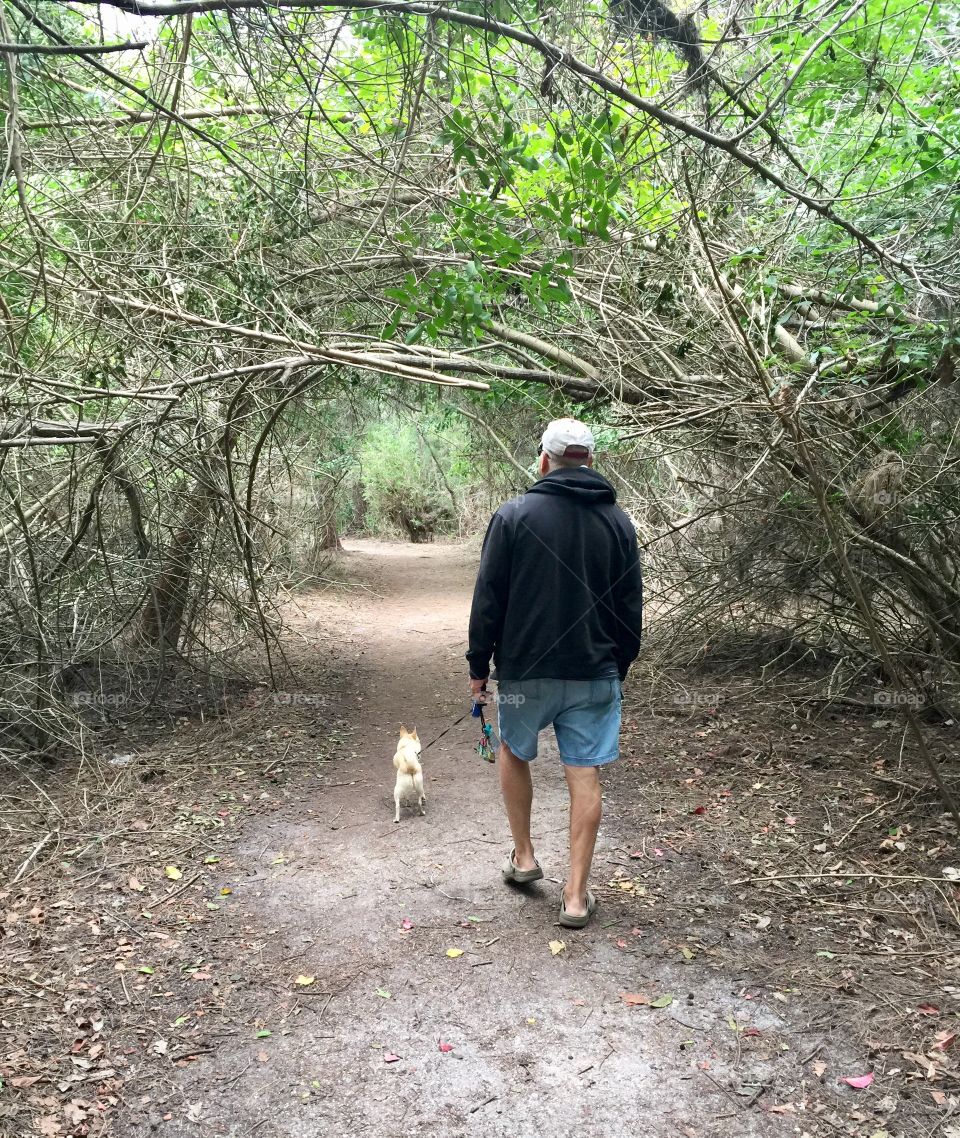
x,y
822,206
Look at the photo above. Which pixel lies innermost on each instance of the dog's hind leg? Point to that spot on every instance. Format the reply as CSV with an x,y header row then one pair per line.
x,y
396,799
421,801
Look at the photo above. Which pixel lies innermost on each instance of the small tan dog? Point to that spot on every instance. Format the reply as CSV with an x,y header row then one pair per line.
x,y
409,772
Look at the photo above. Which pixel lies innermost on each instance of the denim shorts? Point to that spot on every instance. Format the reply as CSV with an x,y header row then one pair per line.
x,y
585,715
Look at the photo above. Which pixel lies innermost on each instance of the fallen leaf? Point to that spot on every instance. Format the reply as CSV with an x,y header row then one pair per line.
x,y
406,924
928,1009
264,1033
790,821
699,810
453,953
557,946
382,993
136,885
389,1057
662,1001
819,1068
635,999
211,859
860,1082
173,873
304,981
76,1112
263,1056
784,1108
444,1047
159,1046
763,922
944,1039
225,891
48,1126
25,1080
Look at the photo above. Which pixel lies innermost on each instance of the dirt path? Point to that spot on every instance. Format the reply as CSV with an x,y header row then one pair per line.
x,y
541,1043
774,938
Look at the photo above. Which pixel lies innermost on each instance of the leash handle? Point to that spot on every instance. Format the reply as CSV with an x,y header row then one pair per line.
x,y
487,747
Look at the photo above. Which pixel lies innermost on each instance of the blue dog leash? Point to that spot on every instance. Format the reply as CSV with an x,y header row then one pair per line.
x,y
487,746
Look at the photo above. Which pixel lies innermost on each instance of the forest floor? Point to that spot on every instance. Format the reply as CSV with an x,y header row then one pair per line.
x,y
224,934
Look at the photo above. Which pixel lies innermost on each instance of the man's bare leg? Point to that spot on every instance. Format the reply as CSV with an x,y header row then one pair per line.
x,y
516,786
585,809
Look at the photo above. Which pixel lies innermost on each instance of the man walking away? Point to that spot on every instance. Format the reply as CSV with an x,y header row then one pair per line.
x,y
558,605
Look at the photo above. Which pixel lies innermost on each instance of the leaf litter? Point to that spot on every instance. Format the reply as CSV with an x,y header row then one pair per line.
x,y
837,956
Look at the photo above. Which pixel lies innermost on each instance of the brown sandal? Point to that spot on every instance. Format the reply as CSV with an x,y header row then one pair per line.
x,y
514,876
568,920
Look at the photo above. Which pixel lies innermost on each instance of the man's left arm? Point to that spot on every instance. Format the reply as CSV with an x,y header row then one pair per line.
x,y
628,605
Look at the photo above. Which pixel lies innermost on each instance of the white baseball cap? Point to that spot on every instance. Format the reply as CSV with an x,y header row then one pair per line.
x,y
568,438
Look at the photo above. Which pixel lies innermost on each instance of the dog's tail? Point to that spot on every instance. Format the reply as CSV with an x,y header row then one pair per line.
x,y
406,763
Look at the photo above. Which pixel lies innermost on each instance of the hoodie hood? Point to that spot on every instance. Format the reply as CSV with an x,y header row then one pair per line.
x,y
582,483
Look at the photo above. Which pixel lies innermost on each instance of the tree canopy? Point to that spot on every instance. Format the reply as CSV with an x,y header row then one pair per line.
x,y
234,234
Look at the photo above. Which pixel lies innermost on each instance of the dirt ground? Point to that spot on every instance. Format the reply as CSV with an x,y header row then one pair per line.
x,y
236,940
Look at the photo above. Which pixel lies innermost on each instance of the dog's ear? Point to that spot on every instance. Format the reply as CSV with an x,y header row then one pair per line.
x,y
414,735
403,731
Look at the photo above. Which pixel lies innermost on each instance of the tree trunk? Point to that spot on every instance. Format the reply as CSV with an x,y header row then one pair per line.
x,y
161,625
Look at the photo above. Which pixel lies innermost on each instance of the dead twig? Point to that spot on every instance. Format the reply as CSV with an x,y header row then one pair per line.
x,y
32,855
183,888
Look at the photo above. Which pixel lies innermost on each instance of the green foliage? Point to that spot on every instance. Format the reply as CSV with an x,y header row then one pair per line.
x,y
407,480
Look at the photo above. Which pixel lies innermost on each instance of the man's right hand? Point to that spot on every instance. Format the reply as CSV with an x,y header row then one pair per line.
x,y
478,689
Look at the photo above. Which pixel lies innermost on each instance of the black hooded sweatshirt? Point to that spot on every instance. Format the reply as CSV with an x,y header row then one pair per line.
x,y
559,592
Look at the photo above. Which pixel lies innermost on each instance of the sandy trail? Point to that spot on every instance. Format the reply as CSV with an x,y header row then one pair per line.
x,y
541,1043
